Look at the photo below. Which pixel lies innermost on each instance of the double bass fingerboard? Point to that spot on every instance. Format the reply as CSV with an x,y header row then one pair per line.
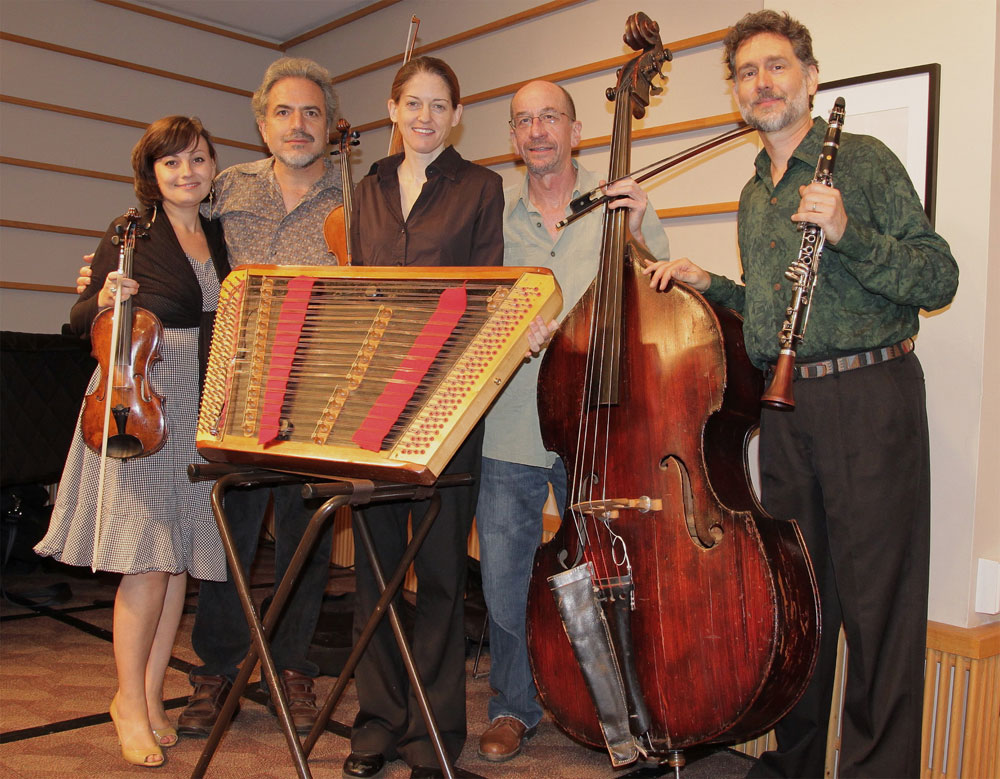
x,y
368,372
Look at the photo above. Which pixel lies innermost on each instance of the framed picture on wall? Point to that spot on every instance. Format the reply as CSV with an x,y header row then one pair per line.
x,y
900,108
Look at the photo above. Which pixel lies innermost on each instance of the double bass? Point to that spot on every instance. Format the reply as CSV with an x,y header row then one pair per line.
x,y
710,604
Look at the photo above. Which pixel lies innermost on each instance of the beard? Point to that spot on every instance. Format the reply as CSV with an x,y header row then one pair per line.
x,y
298,159
795,106
540,169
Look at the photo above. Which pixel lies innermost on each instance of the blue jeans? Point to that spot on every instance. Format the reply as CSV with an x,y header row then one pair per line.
x,y
509,518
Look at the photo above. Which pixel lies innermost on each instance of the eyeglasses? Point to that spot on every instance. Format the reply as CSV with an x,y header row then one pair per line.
x,y
523,121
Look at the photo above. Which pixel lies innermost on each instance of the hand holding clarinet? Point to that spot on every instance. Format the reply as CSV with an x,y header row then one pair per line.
x,y
822,216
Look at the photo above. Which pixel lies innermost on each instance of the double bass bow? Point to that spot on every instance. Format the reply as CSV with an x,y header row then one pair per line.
x,y
709,605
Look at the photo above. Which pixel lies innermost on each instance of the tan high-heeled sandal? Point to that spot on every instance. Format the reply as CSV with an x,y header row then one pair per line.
x,y
166,737
139,756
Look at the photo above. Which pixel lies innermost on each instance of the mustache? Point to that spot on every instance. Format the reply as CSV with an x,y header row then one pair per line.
x,y
767,93
299,136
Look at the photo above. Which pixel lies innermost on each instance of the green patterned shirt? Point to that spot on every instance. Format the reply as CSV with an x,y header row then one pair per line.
x,y
886,267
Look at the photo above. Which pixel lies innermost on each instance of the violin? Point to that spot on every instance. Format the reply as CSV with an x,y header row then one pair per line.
x,y
123,417
688,614
337,225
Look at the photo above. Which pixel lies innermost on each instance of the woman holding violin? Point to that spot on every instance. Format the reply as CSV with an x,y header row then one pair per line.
x,y
153,526
425,206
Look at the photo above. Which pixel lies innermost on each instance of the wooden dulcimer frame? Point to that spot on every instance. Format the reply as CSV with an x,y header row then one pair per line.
x,y
375,373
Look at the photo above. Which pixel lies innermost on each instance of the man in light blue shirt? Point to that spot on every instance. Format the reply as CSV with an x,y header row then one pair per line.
x,y
517,470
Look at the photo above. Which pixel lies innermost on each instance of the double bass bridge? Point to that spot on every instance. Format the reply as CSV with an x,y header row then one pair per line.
x,y
609,508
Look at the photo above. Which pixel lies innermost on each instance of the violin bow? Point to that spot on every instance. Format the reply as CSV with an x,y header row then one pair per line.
x,y
127,244
395,141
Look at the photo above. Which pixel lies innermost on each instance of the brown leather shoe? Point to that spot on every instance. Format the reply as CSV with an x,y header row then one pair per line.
x,y
503,739
301,700
204,705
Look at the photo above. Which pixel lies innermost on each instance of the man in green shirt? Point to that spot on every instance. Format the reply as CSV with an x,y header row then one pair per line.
x,y
851,462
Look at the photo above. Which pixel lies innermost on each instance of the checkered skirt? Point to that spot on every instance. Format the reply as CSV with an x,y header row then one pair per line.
x,y
154,519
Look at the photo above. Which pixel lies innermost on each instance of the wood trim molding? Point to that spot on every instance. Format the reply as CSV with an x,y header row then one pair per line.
x,y
36,287
141,9
976,643
25,41
346,19
94,174
45,228
475,32
703,209
60,109
562,75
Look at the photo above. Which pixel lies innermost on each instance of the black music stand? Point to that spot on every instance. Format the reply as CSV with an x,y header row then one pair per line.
x,y
338,492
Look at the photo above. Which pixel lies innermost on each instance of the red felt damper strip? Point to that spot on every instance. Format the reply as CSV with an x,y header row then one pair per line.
x,y
286,341
411,371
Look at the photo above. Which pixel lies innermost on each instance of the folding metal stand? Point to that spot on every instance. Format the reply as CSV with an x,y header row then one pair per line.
x,y
338,493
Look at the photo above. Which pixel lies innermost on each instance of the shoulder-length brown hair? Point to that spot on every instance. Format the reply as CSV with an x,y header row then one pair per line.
x,y
164,137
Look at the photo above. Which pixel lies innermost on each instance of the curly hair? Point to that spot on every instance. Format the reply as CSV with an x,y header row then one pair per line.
x,y
296,67
768,21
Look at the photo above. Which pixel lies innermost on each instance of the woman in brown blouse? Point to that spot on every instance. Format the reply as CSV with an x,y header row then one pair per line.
x,y
426,206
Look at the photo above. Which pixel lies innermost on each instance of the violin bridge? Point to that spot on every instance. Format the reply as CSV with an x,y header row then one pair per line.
x,y
609,508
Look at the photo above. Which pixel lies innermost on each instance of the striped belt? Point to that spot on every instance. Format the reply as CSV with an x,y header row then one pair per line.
x,y
815,370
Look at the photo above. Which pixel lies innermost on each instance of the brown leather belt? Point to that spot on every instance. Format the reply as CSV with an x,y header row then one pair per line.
x,y
816,370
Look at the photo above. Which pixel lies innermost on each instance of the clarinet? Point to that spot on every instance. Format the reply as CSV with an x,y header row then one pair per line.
x,y
802,272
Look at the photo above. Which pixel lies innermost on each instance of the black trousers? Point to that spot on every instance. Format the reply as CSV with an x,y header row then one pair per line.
x,y
388,720
851,464
220,635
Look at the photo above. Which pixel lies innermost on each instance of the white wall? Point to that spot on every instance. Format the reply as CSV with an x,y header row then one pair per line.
x,y
851,38
27,133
